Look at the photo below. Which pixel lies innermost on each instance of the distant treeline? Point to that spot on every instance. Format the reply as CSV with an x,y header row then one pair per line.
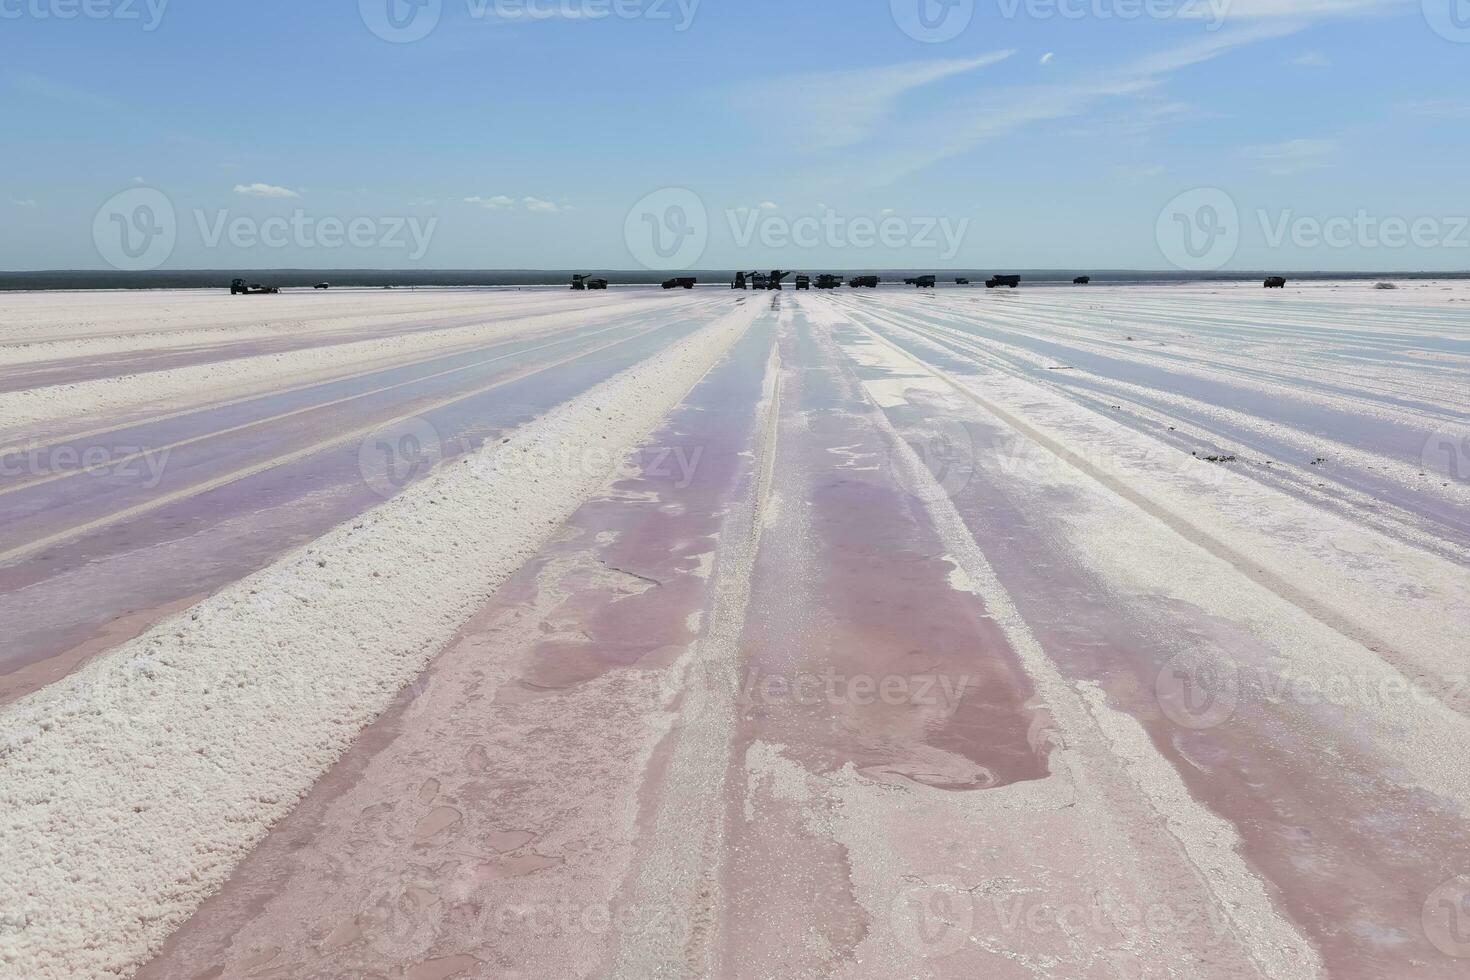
x,y
286,278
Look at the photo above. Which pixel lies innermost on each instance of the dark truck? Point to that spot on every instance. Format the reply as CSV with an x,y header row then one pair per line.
x,y
238,288
994,282
803,282
863,282
682,282
1276,282
1081,280
826,281
922,282
582,282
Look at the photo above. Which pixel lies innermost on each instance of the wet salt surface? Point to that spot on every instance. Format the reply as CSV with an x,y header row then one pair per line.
x,y
1351,849
500,782
58,599
1356,419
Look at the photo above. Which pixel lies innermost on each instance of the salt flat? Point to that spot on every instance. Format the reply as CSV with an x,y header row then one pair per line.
x,y
1095,632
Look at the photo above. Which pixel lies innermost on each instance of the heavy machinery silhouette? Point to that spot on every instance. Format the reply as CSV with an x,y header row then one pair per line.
x,y
238,288
1276,282
962,282
740,282
1081,280
322,285
773,281
582,282
682,282
803,282
922,282
826,281
996,281
863,282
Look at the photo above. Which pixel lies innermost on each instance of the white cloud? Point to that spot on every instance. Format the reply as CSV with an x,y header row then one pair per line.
x,y
958,125
770,206
1311,59
139,180
536,204
862,98
23,202
1296,9
1437,108
1047,58
264,190
1293,156
496,203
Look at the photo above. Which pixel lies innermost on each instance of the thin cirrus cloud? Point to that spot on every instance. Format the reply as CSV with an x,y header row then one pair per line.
x,y
868,97
502,202
1293,156
956,125
265,190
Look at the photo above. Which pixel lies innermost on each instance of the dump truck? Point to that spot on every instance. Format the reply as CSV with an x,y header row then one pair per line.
x,y
1081,280
239,288
825,281
997,281
922,282
682,282
1276,282
803,282
863,282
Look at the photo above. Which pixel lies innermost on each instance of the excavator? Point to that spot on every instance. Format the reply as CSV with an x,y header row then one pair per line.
x,y
582,282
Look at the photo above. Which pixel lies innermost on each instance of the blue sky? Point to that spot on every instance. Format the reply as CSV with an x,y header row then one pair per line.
x,y
522,133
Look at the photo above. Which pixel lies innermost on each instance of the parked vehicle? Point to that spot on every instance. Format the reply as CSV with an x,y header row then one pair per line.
x,y
239,288
996,281
1276,282
682,282
922,282
1081,280
863,282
